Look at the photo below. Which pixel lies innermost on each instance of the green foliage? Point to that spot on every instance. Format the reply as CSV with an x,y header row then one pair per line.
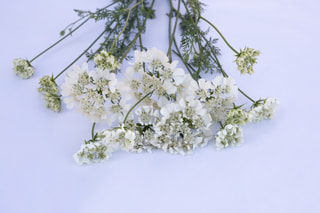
x,y
115,20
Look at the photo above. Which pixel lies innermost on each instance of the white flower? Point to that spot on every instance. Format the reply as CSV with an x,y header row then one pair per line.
x,y
236,116
146,115
106,60
230,135
93,152
246,59
222,97
93,91
22,68
50,93
182,127
264,110
205,89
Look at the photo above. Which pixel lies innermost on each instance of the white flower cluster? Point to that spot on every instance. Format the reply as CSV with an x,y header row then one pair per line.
x,y
94,91
264,110
218,95
236,116
106,60
171,111
50,93
230,135
152,72
184,126
101,150
22,68
246,59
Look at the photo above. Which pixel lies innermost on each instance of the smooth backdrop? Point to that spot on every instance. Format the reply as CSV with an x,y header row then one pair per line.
x,y
275,170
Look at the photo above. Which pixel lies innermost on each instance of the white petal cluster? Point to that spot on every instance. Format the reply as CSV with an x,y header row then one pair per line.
x,y
264,110
170,110
95,93
152,71
22,68
236,116
230,135
246,59
184,126
93,152
105,60
110,141
50,93
217,95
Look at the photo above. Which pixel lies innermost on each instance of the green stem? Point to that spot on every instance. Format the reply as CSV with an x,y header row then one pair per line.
x,y
172,36
125,25
225,40
57,42
136,104
86,50
222,71
138,34
178,53
92,130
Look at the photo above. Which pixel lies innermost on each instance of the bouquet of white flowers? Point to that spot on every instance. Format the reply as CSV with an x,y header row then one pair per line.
x,y
159,104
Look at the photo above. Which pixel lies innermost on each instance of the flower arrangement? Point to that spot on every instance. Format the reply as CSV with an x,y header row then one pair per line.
x,y
158,104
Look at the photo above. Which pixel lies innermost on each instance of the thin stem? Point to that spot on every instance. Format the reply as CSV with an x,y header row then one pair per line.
x,y
136,104
172,36
86,50
125,25
140,39
57,42
246,95
138,34
220,68
178,53
92,130
225,40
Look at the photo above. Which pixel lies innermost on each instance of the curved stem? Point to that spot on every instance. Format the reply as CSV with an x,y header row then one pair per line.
x,y
92,130
136,104
125,25
225,40
57,42
86,50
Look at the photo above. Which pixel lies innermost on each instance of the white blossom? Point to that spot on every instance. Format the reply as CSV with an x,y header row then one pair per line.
x,y
264,110
50,93
230,135
236,116
22,68
221,96
105,60
183,127
246,59
94,92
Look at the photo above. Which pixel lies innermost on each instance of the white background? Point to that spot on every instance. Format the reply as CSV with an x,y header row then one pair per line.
x,y
275,170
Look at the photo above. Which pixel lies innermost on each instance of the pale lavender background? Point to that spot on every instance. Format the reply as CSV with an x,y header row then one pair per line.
x,y
275,170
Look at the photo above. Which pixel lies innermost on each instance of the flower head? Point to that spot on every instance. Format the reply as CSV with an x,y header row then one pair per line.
x,y
93,91
50,93
264,109
246,59
182,128
105,60
230,135
236,116
22,68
